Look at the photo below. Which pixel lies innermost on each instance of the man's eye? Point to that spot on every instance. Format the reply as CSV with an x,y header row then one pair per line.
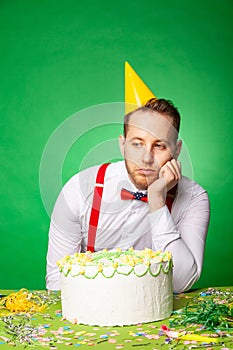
x,y
160,146
137,144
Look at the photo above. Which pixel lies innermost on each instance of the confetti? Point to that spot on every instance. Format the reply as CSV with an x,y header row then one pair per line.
x,y
103,336
149,336
112,341
46,325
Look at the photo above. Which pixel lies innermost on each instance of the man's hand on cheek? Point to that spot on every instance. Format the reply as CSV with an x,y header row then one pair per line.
x,y
169,175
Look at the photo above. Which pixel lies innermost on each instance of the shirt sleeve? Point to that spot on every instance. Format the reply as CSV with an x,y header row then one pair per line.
x,y
185,238
65,231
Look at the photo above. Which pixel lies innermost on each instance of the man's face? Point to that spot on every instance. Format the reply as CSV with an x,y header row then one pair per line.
x,y
150,142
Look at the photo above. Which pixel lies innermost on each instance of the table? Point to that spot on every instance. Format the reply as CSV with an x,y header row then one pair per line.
x,y
51,332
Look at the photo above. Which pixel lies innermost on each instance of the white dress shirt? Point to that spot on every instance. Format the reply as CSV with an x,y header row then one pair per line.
x,y
128,223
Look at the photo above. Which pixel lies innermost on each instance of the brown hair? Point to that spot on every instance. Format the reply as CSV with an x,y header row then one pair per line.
x,y
162,106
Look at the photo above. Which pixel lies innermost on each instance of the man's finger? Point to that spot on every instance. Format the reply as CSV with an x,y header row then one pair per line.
x,y
177,168
174,170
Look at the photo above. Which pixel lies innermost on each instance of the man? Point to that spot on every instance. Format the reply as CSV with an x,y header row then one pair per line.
x,y
174,217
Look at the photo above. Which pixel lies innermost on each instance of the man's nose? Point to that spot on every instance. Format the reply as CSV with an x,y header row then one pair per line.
x,y
148,156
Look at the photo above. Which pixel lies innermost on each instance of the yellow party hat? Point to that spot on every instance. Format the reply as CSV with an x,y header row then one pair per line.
x,y
136,91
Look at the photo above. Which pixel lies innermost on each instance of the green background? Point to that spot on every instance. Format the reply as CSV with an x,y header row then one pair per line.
x,y
59,57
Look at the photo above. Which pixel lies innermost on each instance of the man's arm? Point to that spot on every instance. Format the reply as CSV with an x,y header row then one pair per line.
x,y
185,239
65,231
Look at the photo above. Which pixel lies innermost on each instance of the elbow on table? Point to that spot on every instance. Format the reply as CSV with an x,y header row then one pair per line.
x,y
52,279
184,280
52,285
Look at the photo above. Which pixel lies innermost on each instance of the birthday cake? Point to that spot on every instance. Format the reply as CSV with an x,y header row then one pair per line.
x,y
116,288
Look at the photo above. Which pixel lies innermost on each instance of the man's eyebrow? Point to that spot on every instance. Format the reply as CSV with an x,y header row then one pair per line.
x,y
164,141
136,138
142,139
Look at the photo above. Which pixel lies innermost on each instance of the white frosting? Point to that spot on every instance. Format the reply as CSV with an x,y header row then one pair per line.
x,y
119,300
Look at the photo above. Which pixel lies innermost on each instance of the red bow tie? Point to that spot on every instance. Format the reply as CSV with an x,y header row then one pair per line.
x,y
125,195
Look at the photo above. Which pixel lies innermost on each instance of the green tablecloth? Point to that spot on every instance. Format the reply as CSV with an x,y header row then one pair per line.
x,y
55,333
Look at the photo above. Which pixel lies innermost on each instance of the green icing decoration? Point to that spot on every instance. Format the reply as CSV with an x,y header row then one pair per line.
x,y
120,258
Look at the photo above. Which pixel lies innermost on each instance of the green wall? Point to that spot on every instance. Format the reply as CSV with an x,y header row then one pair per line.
x,y
59,57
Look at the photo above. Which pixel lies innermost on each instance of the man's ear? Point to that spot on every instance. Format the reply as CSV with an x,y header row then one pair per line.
x,y
122,144
178,149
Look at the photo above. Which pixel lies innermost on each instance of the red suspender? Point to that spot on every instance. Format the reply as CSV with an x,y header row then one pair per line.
x,y
170,197
96,203
95,211
169,202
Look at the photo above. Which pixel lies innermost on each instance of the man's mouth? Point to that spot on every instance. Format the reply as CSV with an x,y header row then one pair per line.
x,y
146,172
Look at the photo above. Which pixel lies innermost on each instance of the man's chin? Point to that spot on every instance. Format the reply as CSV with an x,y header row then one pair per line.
x,y
142,183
